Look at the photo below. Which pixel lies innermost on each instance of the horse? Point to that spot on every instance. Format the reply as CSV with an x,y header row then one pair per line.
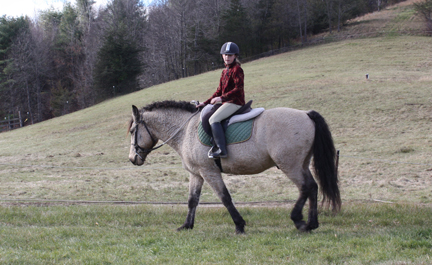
x,y
282,137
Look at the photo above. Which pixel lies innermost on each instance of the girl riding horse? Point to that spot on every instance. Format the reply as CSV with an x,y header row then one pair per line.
x,y
230,94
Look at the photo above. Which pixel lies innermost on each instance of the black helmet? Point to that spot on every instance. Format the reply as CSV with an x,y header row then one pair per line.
x,y
230,48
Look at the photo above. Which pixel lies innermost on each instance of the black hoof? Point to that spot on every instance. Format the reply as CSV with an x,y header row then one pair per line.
x,y
185,227
304,229
312,226
240,227
301,226
240,230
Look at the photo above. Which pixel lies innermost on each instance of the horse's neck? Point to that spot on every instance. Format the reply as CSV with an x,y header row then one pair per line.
x,y
165,123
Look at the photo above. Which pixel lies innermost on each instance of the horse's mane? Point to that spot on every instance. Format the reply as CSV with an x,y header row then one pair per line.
x,y
167,104
171,104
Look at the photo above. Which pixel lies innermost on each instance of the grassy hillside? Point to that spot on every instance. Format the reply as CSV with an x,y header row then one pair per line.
x,y
381,127
384,118
393,20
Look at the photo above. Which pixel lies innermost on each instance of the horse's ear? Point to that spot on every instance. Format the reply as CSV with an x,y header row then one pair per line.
x,y
135,113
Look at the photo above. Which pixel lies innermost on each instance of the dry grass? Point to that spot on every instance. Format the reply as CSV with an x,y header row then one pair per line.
x,y
397,19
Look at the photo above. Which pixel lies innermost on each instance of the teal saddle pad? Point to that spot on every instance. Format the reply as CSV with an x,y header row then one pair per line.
x,y
235,133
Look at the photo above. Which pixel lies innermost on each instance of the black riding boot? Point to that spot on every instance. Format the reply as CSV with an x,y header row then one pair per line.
x,y
219,138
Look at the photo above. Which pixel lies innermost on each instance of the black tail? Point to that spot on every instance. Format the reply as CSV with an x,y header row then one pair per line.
x,y
324,154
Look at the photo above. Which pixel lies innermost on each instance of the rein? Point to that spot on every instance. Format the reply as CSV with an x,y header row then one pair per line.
x,y
139,149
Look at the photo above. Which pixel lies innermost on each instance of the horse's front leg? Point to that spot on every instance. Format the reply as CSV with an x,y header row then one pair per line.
x,y
195,186
217,184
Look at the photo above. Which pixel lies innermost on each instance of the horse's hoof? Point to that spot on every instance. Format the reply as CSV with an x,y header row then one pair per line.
x,y
184,227
303,228
312,226
240,230
306,228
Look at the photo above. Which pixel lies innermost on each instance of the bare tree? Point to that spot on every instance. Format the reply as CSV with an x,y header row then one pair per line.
x,y
89,45
329,10
26,75
40,68
300,19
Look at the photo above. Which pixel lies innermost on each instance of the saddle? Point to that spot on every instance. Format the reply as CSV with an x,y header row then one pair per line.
x,y
245,113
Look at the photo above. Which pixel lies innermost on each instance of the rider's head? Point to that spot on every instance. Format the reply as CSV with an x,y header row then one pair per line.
x,y
229,52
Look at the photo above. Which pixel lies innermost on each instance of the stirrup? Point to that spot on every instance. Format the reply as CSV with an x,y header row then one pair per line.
x,y
216,153
211,152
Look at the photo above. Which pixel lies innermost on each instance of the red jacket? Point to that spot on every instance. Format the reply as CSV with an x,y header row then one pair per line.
x,y
231,86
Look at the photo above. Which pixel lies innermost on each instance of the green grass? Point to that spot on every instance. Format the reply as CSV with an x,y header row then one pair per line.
x,y
360,234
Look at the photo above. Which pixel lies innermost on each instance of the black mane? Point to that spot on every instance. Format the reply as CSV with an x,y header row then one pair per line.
x,y
171,104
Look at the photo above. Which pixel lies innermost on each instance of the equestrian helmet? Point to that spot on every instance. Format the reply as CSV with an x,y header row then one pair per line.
x,y
230,48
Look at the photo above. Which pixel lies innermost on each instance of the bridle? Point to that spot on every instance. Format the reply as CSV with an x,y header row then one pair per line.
x,y
140,150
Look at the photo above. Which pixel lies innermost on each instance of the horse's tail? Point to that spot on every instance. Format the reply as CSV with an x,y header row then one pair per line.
x,y
324,154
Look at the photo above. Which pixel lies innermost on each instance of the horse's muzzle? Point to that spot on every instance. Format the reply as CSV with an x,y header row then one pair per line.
x,y
137,159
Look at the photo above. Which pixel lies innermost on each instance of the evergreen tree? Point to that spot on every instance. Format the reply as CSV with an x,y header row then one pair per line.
x,y
265,32
236,28
118,66
119,58
10,29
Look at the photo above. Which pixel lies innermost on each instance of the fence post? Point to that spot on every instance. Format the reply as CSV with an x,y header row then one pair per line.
x,y
20,120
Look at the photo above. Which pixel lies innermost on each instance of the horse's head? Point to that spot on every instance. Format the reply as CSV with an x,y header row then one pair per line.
x,y
142,141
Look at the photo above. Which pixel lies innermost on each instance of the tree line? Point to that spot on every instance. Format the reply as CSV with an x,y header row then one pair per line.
x,y
63,61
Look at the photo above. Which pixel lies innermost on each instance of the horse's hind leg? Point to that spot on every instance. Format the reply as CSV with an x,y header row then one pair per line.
x,y
195,186
296,213
313,201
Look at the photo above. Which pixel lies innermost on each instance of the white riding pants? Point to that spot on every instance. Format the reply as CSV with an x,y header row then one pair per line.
x,y
226,110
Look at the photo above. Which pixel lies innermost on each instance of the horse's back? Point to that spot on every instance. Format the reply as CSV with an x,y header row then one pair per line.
x,y
279,135
286,132
286,122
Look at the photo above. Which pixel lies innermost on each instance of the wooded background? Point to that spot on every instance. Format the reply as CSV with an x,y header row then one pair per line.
x,y
63,61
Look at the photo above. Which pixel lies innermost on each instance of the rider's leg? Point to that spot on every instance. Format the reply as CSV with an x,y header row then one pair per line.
x,y
222,113
219,139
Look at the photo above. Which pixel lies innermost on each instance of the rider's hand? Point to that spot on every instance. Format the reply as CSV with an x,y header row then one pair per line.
x,y
200,105
216,100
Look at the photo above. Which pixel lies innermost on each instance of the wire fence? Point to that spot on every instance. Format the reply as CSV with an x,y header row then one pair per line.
x,y
47,201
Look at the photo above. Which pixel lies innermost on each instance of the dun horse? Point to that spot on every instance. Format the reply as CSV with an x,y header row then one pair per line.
x,y
282,137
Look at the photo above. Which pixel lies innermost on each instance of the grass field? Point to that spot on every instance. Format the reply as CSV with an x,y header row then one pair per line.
x,y
382,127
360,234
